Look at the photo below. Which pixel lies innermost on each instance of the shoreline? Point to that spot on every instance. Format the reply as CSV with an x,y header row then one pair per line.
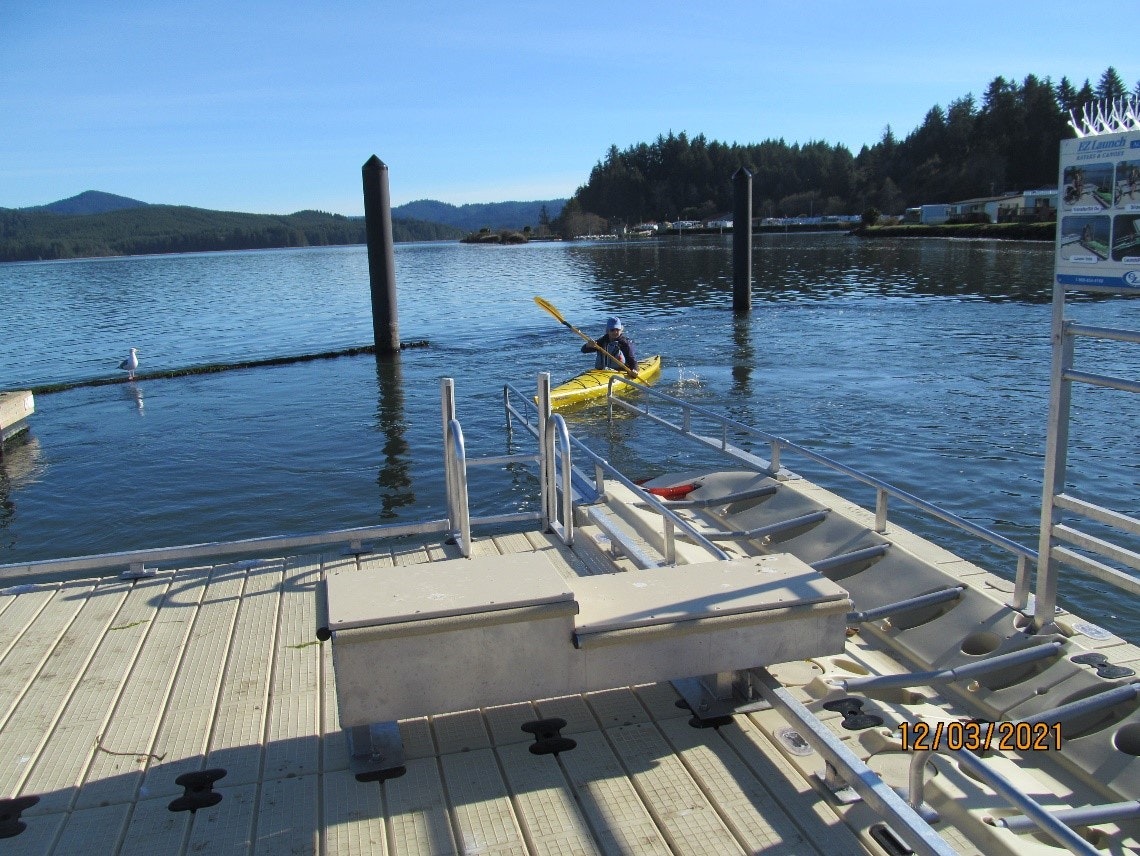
x,y
1002,231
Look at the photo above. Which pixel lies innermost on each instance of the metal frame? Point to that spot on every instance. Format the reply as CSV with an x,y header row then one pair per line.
x,y
671,521
778,445
458,521
1055,501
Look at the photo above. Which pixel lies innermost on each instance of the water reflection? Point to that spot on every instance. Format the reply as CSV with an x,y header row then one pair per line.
x,y
394,478
21,464
132,392
742,358
671,274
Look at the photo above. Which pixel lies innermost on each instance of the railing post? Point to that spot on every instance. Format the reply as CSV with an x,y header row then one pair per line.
x,y
447,413
880,511
545,454
1056,460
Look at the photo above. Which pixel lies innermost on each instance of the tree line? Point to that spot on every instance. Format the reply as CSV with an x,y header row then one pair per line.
x,y
32,235
1007,142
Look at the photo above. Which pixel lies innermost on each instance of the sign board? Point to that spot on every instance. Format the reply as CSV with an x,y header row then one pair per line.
x,y
1098,213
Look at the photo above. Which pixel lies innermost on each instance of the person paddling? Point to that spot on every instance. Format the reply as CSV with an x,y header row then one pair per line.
x,y
615,343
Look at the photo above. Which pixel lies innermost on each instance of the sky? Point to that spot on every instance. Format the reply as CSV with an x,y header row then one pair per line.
x,y
273,107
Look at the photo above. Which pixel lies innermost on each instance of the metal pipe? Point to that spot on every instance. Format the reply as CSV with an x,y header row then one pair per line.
x,y
959,673
1084,816
458,468
1089,704
842,559
882,799
771,528
1006,789
911,603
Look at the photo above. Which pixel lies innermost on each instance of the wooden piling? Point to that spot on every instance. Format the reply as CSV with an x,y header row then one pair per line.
x,y
742,241
381,258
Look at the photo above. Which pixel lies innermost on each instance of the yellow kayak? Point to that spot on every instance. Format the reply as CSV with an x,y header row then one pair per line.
x,y
596,382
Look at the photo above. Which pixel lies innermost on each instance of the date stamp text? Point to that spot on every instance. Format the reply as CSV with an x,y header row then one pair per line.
x,y
1004,736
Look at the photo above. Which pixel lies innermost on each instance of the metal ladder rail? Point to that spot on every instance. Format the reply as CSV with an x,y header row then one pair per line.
x,y
569,474
455,468
557,471
1051,553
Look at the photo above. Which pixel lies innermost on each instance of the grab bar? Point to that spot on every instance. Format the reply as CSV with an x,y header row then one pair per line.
x,y
556,430
1032,809
959,673
907,605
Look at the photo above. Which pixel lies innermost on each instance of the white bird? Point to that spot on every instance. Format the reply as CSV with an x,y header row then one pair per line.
x,y
130,364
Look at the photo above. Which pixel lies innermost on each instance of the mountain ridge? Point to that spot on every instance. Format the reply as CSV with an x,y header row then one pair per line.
x,y
479,215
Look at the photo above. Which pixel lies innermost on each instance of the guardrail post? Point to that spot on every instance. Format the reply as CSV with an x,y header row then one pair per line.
x,y
545,452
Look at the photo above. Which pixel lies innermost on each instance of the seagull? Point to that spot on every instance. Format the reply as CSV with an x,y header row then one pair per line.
x,y
130,364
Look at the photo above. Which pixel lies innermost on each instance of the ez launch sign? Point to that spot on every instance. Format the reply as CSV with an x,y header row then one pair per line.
x,y
1098,218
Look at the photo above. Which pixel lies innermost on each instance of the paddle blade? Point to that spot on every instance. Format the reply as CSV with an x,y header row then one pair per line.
x,y
550,307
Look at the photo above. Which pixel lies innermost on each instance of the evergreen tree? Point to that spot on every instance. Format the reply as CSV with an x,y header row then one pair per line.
x,y
1110,85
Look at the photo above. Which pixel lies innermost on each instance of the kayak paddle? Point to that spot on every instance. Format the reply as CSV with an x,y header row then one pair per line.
x,y
553,310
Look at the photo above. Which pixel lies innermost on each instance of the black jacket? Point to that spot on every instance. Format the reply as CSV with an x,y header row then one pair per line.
x,y
620,347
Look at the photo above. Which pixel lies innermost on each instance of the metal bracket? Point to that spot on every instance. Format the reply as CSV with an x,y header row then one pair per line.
x,y
836,785
356,548
376,751
720,695
138,571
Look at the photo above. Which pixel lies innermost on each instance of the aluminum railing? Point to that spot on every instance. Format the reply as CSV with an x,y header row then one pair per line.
x,y
884,491
459,522
1089,550
1048,823
532,416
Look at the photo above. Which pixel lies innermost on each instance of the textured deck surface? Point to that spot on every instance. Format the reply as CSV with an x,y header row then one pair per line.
x,y
109,690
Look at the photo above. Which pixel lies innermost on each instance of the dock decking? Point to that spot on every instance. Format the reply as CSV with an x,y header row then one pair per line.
x,y
110,689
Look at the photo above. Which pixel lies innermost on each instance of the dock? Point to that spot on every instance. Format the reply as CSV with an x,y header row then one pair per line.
x,y
16,408
114,688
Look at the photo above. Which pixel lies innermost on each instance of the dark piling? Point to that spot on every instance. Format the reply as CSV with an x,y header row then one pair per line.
x,y
742,241
381,258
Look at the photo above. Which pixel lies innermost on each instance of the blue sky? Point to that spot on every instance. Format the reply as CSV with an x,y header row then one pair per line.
x,y
273,107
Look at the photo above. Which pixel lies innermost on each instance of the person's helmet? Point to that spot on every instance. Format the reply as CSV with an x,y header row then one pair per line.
x,y
613,323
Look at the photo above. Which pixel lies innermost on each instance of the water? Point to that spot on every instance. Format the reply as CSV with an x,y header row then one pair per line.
x,y
923,362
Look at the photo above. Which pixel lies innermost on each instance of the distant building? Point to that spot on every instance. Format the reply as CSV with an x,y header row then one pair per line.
x,y
1029,206
933,215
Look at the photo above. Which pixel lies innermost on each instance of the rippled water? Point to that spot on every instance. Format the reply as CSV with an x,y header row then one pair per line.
x,y
924,362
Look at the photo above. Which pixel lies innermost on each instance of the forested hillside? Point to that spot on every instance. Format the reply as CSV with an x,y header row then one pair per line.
x,y
29,234
1006,142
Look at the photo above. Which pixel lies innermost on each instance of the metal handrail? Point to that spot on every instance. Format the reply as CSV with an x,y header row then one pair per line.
x,y
778,444
53,568
556,430
1054,499
1048,823
670,519
455,475
851,769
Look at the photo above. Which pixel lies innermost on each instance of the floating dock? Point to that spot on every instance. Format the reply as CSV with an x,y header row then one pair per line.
x,y
15,410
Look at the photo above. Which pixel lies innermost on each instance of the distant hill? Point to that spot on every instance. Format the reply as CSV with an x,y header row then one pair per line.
x,y
475,216
89,202
30,234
